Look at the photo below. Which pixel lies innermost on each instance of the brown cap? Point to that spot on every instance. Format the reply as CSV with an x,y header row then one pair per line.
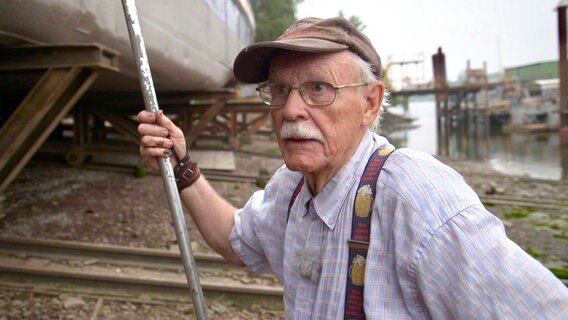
x,y
306,35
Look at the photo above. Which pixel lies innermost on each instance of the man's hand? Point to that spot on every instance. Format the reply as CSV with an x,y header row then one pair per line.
x,y
159,137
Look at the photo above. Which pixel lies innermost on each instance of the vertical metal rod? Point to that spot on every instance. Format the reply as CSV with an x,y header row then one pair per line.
x,y
151,104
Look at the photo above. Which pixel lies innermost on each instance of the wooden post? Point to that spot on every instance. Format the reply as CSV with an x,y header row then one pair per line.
x,y
440,84
563,65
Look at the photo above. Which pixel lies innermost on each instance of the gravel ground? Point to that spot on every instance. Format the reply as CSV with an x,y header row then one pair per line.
x,y
65,203
37,306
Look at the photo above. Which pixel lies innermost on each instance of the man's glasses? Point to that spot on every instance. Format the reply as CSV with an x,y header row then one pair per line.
x,y
314,93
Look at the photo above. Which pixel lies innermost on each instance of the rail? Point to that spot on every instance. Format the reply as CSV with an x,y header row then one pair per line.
x,y
102,269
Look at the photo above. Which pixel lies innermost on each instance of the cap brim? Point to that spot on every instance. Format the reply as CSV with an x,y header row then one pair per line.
x,y
252,63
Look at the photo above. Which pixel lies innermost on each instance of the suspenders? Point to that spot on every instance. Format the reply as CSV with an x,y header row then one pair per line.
x,y
360,232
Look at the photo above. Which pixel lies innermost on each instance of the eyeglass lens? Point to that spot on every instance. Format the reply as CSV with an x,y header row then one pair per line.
x,y
315,93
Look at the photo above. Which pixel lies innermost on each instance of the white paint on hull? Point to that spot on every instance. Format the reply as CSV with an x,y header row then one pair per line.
x,y
190,47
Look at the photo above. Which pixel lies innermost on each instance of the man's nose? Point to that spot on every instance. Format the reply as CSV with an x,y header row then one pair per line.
x,y
295,106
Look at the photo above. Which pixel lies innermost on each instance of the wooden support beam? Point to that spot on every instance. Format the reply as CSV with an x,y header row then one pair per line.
x,y
38,114
256,124
206,117
127,127
221,125
233,130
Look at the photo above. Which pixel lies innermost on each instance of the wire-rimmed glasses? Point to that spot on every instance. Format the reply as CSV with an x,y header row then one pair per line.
x,y
314,93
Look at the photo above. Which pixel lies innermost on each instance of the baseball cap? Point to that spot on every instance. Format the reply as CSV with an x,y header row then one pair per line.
x,y
311,35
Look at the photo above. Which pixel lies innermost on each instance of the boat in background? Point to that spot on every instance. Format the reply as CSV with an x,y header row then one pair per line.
x,y
67,73
191,44
536,108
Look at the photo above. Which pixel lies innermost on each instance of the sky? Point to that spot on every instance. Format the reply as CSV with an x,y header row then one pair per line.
x,y
500,33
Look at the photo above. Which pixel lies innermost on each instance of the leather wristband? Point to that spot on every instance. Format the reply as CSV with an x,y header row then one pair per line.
x,y
186,172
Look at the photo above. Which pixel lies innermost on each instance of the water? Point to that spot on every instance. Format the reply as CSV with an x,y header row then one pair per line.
x,y
534,155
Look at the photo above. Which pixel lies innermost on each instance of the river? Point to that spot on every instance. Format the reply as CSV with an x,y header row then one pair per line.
x,y
534,155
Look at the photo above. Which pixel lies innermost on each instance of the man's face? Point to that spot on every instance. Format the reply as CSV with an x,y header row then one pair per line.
x,y
327,135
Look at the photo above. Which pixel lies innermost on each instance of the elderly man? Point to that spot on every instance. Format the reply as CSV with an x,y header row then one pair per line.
x,y
413,243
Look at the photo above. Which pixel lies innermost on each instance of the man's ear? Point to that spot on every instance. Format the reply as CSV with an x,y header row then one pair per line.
x,y
373,101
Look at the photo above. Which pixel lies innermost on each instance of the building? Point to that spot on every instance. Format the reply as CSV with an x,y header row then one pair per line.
x,y
535,71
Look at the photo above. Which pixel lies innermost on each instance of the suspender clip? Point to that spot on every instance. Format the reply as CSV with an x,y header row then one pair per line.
x,y
355,244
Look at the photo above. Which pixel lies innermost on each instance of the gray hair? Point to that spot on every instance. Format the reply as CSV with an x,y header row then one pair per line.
x,y
368,75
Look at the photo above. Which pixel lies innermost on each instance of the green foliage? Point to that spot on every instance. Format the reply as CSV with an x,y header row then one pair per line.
x,y
273,17
560,273
154,245
140,171
261,183
520,213
560,236
534,253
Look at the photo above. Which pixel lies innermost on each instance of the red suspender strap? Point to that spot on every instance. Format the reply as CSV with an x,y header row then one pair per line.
x,y
360,235
294,196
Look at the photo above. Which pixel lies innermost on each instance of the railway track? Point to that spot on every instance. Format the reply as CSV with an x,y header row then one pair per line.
x,y
127,273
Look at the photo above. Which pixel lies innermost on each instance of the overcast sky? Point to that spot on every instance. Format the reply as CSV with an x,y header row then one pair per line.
x,y
503,33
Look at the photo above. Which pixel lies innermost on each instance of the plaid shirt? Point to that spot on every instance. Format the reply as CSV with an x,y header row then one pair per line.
x,y
435,251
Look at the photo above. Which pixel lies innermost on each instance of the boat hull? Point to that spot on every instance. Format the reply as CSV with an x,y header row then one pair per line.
x,y
191,44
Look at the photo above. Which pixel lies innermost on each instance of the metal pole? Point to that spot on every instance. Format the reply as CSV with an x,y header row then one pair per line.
x,y
151,103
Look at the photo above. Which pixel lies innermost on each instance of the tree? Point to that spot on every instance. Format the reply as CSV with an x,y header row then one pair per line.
x,y
273,17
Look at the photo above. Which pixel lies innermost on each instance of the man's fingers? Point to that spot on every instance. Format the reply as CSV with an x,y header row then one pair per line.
x,y
151,153
145,129
157,142
175,134
146,117
165,122
159,119
159,132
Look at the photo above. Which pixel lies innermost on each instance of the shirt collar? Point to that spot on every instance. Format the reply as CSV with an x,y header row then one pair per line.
x,y
331,199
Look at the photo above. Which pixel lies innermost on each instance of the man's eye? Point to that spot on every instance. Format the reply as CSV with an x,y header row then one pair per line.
x,y
318,87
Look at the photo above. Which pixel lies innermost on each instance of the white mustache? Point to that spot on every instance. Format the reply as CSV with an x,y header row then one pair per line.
x,y
300,130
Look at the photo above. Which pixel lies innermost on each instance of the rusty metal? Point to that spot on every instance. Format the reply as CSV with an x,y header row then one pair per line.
x,y
441,85
439,64
176,210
